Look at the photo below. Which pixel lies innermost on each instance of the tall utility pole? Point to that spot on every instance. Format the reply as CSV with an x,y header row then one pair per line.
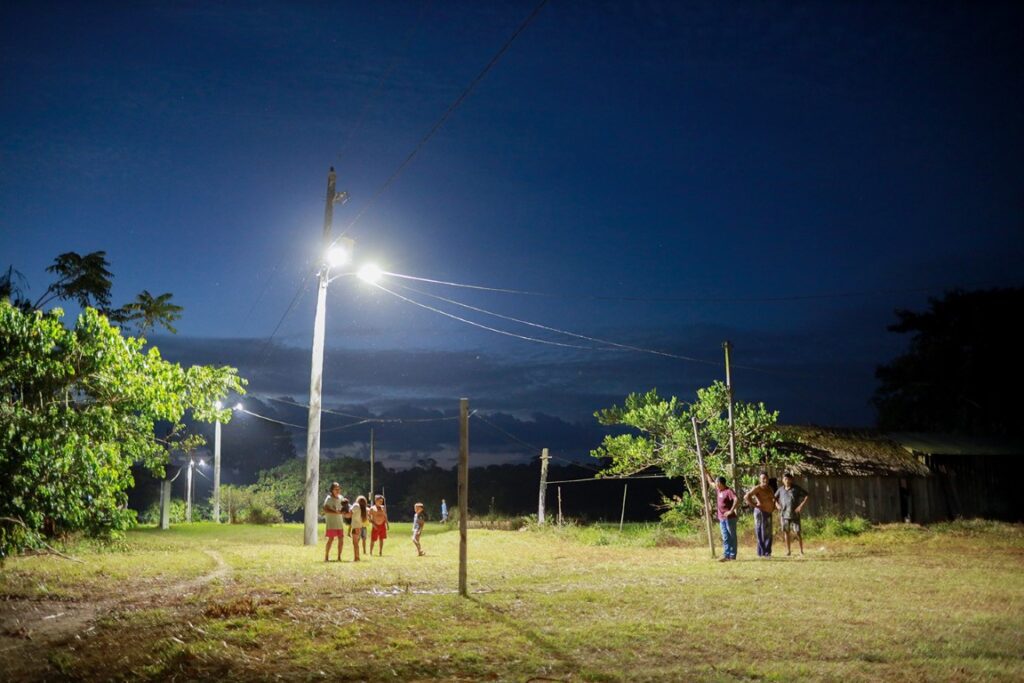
x,y
727,345
703,486
371,466
216,471
188,492
312,489
543,484
463,492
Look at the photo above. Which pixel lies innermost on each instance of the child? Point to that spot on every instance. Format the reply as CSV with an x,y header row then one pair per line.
x,y
358,515
379,520
333,509
419,518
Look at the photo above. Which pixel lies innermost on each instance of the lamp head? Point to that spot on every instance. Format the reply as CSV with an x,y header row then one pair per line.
x,y
370,273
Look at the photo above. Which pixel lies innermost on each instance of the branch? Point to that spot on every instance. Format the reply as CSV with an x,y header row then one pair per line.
x,y
45,544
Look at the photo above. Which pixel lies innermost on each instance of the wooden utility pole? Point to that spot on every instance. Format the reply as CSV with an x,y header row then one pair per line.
x,y
543,484
371,466
727,345
463,491
188,492
703,486
623,517
559,506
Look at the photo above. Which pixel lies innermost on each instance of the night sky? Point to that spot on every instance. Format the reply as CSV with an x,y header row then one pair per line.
x,y
672,174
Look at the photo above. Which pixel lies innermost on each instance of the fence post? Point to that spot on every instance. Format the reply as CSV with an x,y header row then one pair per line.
x,y
623,517
543,484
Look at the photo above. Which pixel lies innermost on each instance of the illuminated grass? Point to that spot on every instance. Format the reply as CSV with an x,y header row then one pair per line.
x,y
898,603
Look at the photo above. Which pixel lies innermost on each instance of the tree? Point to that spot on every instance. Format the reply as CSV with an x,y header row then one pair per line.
x,y
78,407
149,311
665,438
956,376
87,280
284,486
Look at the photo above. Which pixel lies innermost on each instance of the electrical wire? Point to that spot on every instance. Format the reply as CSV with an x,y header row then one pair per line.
x,y
448,112
626,347
713,299
368,419
643,476
511,436
490,329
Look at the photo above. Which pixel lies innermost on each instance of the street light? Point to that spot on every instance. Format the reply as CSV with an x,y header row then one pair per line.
x,y
338,252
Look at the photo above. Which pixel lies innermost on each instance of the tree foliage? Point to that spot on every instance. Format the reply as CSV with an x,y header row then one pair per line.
x,y
78,407
955,376
284,486
87,280
665,439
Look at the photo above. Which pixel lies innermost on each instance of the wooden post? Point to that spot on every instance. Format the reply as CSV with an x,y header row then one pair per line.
x,y
165,504
703,487
623,517
559,506
463,491
727,345
543,484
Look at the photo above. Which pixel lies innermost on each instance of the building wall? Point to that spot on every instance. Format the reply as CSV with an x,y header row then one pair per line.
x,y
874,498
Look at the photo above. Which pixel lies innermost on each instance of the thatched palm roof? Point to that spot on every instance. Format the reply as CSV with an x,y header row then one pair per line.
x,y
848,452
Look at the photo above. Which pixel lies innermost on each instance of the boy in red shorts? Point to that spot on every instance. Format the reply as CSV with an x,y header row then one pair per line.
x,y
379,521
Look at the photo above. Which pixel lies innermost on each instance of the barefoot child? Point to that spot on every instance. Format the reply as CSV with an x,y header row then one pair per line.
x,y
379,520
418,520
358,515
332,509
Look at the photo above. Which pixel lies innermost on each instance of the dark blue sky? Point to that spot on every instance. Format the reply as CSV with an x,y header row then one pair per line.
x,y
654,150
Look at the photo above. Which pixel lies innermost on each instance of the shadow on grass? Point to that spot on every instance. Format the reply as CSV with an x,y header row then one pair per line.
x,y
543,643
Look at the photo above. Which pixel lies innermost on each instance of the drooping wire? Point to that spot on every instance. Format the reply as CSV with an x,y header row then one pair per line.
x,y
364,418
626,347
448,112
488,328
691,299
535,448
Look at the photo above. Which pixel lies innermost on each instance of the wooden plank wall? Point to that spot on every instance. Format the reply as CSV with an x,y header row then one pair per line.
x,y
874,498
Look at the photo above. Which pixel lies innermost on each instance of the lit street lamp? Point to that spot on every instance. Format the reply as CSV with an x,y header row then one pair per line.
x,y
338,253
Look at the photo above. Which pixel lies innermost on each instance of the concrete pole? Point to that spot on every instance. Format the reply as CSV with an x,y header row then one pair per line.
x,y
727,345
463,492
371,466
188,493
216,471
165,504
311,513
543,484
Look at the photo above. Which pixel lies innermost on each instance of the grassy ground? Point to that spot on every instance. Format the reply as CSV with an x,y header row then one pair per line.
x,y
205,602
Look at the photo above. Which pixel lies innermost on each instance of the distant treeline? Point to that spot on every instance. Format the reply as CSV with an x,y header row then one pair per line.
x,y
504,490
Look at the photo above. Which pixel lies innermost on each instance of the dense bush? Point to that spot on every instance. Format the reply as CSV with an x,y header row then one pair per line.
x,y
263,514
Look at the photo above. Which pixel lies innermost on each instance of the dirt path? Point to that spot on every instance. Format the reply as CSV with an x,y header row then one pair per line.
x,y
31,628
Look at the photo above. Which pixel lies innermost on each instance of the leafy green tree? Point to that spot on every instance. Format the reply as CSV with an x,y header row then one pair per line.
x,y
78,407
285,484
665,438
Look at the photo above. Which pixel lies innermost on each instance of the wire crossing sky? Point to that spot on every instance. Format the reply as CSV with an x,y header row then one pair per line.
x,y
610,182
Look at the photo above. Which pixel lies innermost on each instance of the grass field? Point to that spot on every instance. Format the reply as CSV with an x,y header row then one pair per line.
x,y
208,602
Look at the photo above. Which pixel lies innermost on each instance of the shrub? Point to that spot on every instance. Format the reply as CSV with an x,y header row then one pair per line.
x,y
263,514
834,527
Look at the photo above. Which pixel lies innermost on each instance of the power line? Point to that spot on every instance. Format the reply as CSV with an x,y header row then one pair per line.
x,y
626,347
486,327
643,476
691,299
444,117
365,419
511,436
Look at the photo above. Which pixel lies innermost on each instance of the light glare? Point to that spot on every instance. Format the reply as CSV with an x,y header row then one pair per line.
x,y
238,406
370,273
219,405
338,256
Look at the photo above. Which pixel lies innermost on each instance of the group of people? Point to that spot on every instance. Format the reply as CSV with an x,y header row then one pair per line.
x,y
766,498
345,518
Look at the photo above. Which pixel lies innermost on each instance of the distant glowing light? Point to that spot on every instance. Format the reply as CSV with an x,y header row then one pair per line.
x,y
202,463
370,273
219,405
238,406
338,256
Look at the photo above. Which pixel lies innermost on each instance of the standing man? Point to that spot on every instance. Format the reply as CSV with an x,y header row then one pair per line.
x,y
727,502
763,501
444,511
790,500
